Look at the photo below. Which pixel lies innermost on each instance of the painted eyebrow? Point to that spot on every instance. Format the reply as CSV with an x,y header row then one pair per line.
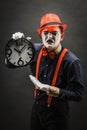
x,y
51,31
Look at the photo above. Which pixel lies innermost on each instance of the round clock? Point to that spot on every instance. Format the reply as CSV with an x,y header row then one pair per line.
x,y
19,52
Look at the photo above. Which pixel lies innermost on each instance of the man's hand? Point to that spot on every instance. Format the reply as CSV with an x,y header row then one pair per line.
x,y
17,35
53,91
50,90
38,84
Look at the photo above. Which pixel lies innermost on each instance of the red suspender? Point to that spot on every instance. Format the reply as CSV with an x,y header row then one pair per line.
x,y
37,67
55,76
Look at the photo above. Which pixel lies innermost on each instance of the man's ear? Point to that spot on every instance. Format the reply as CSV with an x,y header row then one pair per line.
x,y
62,36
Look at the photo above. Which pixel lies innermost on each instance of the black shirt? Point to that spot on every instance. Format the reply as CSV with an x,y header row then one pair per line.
x,y
70,79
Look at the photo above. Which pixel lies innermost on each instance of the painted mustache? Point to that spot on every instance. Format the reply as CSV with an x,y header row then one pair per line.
x,y
50,41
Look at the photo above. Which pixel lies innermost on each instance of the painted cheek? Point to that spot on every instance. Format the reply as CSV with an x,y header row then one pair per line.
x,y
57,39
46,37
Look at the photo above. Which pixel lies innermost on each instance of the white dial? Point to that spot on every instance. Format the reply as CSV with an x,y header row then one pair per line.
x,y
19,52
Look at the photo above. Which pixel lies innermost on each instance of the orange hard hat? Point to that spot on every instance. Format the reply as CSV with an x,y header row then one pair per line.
x,y
50,20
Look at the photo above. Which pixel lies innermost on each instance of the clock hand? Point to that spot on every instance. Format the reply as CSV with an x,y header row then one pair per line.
x,y
17,50
21,50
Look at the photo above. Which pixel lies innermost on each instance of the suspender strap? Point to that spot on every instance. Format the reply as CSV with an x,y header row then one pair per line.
x,y
55,76
56,73
37,67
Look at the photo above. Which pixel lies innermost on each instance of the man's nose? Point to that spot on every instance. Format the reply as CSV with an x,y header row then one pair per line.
x,y
50,35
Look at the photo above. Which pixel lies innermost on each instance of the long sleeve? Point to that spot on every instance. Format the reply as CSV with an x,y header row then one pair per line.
x,y
75,86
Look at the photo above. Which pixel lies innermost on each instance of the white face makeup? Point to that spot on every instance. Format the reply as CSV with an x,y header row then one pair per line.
x,y
51,39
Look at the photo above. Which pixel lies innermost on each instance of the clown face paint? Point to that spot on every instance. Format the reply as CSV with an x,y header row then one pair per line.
x,y
51,37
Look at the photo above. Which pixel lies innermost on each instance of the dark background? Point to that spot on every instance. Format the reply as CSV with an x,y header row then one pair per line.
x,y
16,91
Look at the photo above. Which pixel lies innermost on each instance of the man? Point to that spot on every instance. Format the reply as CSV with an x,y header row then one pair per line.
x,y
56,75
51,108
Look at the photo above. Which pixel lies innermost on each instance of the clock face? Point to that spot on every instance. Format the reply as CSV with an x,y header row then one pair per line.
x,y
19,52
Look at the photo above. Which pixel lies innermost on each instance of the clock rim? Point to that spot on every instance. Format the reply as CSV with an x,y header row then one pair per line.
x,y
33,50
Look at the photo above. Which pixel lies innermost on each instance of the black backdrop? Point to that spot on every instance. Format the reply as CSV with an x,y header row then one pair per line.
x,y
16,91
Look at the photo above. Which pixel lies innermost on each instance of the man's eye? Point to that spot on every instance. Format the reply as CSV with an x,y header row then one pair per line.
x,y
54,33
45,32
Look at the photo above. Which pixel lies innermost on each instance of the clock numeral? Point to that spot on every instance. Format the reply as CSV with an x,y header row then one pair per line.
x,y
29,48
14,63
30,55
20,62
26,62
9,52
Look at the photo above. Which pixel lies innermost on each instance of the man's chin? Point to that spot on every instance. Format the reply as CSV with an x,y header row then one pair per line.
x,y
50,48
